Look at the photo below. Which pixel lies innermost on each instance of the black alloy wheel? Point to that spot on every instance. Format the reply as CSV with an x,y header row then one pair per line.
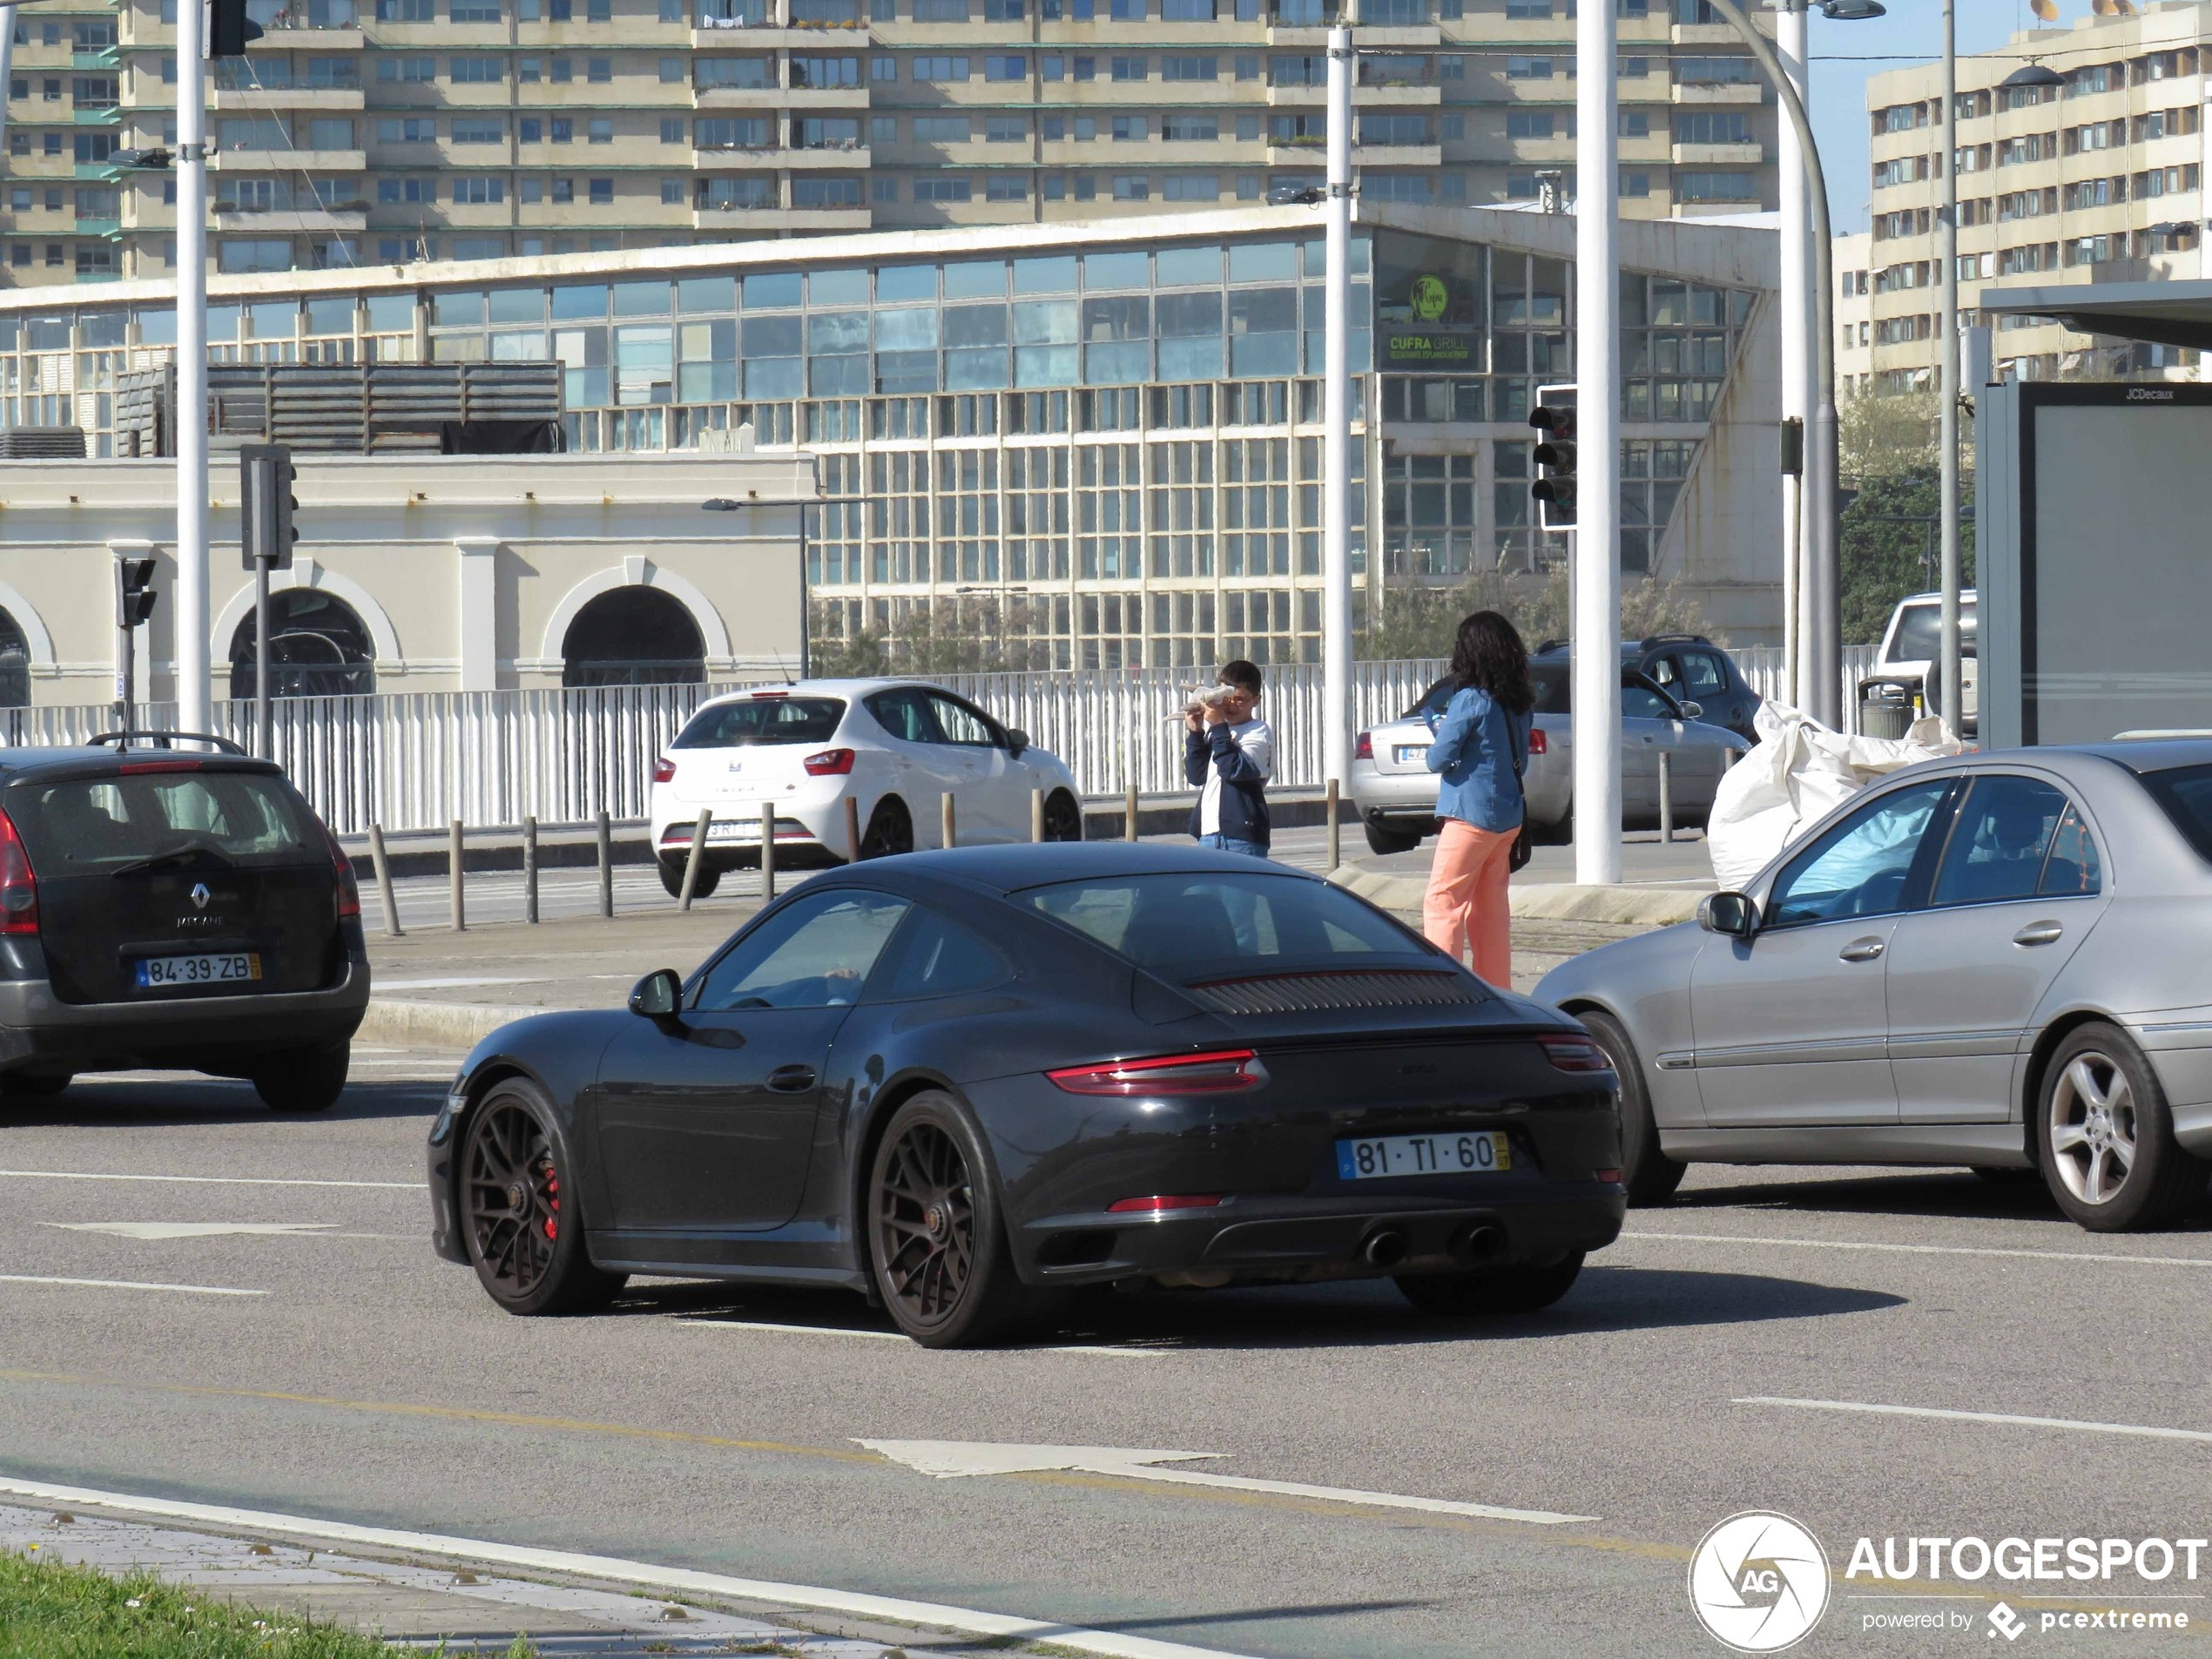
x,y
307,1080
1063,820
890,831
523,1233
1492,1290
672,877
937,1245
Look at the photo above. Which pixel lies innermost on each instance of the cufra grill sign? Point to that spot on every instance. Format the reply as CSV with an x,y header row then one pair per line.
x,y
1431,336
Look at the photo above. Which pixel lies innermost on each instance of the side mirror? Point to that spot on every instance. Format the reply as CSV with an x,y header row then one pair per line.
x,y
1016,740
1732,914
657,995
1693,710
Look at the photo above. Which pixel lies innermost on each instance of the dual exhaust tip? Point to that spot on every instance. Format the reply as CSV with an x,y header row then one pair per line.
x,y
1473,1246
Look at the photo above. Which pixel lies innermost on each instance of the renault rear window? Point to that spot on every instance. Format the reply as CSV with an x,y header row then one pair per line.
x,y
87,824
2186,794
1176,926
761,720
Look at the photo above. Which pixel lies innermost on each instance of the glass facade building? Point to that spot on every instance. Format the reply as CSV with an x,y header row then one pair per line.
x,y
1067,446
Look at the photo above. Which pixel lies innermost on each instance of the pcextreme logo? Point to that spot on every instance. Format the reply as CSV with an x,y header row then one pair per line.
x,y
1758,1582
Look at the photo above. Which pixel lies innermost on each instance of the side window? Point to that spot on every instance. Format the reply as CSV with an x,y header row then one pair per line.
x,y
904,712
1998,840
959,722
1662,670
815,953
1702,674
1859,868
2072,870
1642,703
940,958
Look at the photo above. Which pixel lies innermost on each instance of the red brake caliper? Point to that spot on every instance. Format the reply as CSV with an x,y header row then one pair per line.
x,y
552,1200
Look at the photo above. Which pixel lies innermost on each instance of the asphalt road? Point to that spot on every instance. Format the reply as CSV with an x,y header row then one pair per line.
x,y
362,1380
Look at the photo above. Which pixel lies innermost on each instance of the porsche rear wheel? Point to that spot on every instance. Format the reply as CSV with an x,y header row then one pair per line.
x,y
936,1237
521,1225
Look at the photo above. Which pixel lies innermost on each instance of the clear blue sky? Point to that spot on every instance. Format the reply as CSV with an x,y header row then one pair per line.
x,y
1911,33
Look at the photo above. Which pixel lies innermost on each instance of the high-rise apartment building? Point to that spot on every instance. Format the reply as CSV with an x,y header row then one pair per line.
x,y
361,133
2098,180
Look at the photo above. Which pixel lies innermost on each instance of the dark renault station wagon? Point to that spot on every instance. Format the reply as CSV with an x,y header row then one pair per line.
x,y
173,910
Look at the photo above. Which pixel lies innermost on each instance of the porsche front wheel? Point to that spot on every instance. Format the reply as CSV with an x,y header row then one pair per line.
x,y
520,1218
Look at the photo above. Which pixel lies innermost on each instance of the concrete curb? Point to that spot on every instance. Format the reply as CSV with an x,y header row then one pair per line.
x,y
1543,901
442,1025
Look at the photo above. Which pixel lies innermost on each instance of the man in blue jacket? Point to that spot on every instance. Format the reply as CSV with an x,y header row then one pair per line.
x,y
1229,753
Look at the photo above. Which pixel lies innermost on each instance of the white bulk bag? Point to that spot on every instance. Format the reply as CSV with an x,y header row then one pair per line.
x,y
1799,769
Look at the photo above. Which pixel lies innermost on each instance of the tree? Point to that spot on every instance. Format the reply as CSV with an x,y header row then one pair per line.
x,y
1891,459
1423,622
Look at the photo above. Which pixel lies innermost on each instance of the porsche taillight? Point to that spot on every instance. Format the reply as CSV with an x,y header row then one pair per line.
x,y
1220,1072
1575,1054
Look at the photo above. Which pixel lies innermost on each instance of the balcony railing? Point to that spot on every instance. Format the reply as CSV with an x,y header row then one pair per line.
x,y
733,14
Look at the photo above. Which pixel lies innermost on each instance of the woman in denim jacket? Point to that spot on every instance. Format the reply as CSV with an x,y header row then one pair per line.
x,y
1481,747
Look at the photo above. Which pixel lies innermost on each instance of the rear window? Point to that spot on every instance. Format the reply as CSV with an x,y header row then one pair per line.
x,y
2186,794
1547,680
1919,632
1186,926
763,719
87,824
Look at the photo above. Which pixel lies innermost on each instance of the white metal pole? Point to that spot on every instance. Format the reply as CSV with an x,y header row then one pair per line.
x,y
1952,677
193,713
1596,546
1336,425
1790,46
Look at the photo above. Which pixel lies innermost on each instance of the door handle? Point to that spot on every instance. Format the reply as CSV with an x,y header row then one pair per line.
x,y
790,1080
1860,950
2039,932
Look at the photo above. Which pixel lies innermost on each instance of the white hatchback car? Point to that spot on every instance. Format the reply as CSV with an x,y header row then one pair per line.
x,y
896,747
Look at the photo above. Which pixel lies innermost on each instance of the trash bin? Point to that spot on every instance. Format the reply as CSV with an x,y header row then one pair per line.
x,y
1885,708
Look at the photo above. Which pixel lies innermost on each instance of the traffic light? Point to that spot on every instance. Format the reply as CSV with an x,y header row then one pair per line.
x,y
266,506
229,28
1553,490
134,593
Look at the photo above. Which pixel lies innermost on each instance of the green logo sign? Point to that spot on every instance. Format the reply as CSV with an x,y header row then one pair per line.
x,y
1431,297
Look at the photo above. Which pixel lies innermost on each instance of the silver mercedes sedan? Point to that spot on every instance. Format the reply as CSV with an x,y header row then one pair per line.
x,y
1998,959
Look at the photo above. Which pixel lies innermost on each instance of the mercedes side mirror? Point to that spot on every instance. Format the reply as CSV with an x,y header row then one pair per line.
x,y
659,995
1693,710
1017,741
1732,914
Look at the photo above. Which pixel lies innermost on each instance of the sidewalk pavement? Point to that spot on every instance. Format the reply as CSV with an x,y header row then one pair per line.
x,y
475,1611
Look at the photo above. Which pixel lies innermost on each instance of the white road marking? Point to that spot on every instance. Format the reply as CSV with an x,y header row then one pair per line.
x,y
1927,1249
208,1180
455,984
2145,1431
1109,1644
192,1229
895,1336
125,1284
950,1460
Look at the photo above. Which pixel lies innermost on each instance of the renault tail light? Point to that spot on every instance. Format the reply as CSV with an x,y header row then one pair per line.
x,y
18,887
349,890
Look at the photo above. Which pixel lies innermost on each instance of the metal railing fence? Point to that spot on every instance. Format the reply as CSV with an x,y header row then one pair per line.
x,y
419,760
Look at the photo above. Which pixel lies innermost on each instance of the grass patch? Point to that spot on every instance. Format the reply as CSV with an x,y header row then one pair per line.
x,y
51,1610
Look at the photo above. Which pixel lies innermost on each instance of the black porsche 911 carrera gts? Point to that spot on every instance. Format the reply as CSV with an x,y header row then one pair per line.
x,y
963,1081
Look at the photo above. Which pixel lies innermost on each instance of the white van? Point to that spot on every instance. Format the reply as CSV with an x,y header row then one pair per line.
x,y
1912,647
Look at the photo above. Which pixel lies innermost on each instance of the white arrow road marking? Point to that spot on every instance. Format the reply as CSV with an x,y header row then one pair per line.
x,y
192,1229
948,1460
1108,1643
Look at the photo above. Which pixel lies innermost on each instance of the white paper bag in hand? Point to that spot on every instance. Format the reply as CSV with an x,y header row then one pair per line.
x,y
1790,781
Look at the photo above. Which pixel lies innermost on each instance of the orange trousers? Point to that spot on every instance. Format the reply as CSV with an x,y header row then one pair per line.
x,y
1466,901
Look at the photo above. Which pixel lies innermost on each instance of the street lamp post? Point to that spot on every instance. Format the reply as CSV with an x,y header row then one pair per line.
x,y
1336,418
1952,680
1791,45
190,654
1595,547
1821,651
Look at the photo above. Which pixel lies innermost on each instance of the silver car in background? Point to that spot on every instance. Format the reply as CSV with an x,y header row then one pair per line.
x,y
1997,959
1394,792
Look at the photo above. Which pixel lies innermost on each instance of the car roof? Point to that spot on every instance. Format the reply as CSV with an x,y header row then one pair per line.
x,y
1024,864
77,756
2150,754
1931,598
844,688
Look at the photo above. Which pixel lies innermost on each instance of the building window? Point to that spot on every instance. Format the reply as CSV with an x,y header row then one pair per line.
x,y
478,129
931,69
1009,188
1132,187
603,192
476,70
479,191
941,190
